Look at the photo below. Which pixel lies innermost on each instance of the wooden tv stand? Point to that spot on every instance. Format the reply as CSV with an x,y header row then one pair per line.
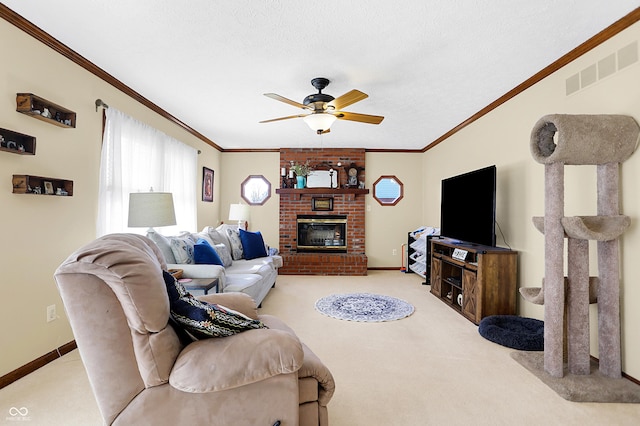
x,y
486,278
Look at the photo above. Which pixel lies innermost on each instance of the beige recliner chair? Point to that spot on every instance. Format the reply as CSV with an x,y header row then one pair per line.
x,y
141,372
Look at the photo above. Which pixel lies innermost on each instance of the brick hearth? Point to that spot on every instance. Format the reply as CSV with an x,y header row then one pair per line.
x,y
354,261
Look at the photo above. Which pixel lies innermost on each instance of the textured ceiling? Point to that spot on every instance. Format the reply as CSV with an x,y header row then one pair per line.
x,y
427,65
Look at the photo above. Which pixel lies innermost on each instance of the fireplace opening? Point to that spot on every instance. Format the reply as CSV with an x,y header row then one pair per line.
x,y
326,233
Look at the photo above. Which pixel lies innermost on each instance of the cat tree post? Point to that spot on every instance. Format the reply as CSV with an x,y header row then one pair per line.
x,y
554,269
578,307
608,267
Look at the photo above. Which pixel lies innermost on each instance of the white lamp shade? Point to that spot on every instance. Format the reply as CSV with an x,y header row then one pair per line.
x,y
319,121
149,209
239,212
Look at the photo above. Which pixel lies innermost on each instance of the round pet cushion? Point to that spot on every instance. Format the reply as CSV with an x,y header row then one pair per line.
x,y
526,334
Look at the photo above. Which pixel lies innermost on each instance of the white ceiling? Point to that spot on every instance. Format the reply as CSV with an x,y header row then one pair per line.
x,y
427,65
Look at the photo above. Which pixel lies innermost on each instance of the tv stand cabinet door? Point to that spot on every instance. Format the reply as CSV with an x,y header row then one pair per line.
x,y
436,277
470,295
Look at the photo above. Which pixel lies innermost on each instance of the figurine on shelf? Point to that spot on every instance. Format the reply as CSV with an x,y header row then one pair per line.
x,y
46,113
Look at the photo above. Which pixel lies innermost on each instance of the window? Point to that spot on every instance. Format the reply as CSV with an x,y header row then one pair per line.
x,y
255,190
388,190
135,158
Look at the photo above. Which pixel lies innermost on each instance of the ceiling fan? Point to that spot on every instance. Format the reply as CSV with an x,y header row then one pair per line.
x,y
325,109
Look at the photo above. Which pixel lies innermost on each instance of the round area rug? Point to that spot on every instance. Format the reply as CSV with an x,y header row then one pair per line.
x,y
364,307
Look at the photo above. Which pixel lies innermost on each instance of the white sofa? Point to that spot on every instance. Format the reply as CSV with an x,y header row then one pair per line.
x,y
255,276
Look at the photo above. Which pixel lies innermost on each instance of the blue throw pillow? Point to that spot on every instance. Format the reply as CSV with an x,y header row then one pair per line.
x,y
252,244
204,253
202,319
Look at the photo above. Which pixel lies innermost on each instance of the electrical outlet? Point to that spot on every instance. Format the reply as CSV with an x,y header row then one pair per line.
x,y
51,313
394,252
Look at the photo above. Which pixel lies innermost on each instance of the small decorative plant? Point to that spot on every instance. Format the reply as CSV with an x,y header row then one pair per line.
x,y
301,169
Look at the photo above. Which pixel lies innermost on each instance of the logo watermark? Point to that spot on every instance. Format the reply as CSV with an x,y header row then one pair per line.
x,y
18,414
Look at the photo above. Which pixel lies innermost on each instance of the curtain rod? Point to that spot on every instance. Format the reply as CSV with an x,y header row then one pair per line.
x,y
100,103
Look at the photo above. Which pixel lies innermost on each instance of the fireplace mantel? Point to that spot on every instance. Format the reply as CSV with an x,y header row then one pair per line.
x,y
323,191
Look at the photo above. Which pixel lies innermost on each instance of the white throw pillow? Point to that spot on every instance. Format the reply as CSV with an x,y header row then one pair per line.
x,y
164,244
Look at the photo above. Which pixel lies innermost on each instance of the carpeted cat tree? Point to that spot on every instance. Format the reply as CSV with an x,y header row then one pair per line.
x,y
604,141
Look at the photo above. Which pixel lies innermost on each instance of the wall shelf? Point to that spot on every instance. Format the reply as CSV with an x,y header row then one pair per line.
x,y
14,140
38,185
33,106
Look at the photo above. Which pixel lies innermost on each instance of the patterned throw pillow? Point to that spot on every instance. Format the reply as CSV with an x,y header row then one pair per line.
x,y
224,254
202,319
182,248
236,245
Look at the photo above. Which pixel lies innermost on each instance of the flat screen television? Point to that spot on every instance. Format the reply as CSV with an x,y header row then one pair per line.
x,y
468,207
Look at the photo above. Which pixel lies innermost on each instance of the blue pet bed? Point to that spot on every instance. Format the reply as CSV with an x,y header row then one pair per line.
x,y
525,334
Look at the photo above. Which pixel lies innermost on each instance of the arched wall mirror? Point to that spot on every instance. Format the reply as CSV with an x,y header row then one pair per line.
x,y
255,190
388,190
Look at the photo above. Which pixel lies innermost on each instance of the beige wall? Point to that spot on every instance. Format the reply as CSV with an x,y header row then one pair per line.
x,y
387,226
38,232
236,167
502,138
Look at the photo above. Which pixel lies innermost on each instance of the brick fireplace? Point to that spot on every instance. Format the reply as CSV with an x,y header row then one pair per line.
x,y
347,202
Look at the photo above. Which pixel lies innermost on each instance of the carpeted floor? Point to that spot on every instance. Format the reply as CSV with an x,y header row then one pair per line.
x,y
431,368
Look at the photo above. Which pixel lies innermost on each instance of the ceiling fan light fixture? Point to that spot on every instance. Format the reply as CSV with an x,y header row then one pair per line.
x,y
319,121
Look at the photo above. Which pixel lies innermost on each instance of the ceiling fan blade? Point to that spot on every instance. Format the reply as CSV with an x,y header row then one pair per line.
x,y
287,101
283,118
363,118
348,98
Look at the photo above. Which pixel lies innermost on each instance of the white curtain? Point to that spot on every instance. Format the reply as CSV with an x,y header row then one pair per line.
x,y
135,158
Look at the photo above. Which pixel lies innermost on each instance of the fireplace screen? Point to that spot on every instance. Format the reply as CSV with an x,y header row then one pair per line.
x,y
322,233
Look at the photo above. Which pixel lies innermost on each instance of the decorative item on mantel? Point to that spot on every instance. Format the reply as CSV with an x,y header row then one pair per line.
x,y
353,173
301,171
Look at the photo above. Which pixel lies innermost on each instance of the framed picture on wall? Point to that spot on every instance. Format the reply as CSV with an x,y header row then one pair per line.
x,y
207,184
48,188
322,204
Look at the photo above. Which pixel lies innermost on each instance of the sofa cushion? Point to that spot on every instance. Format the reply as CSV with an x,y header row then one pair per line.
x,y
203,252
252,244
253,266
182,248
242,282
224,253
203,319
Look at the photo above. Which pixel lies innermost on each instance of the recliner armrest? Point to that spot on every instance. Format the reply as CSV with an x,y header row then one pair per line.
x,y
217,364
